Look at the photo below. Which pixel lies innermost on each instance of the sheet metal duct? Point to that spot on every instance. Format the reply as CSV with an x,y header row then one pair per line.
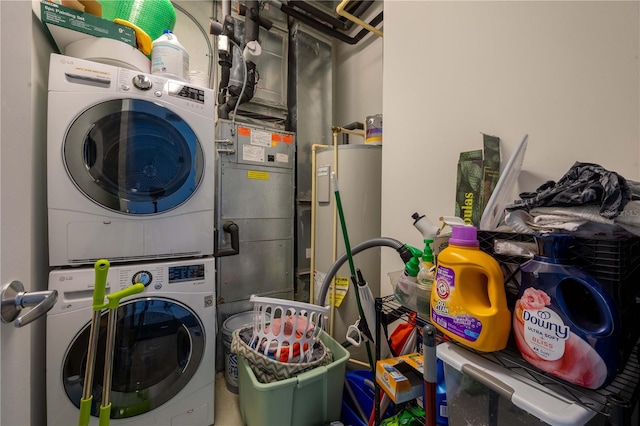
x,y
308,14
310,117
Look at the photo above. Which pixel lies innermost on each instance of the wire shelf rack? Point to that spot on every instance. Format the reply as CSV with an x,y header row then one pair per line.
x,y
616,401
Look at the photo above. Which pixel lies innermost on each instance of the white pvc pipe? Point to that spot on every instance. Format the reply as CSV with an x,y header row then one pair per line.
x,y
312,285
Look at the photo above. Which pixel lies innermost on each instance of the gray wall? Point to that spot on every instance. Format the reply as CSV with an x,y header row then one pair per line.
x,y
23,216
566,73
357,71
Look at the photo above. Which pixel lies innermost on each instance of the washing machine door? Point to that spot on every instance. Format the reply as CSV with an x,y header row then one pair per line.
x,y
133,156
159,345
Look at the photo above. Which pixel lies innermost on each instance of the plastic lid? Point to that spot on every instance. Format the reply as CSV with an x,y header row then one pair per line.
x,y
530,396
554,246
466,236
238,321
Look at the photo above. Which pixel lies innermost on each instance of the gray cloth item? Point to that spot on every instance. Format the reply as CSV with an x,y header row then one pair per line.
x,y
584,183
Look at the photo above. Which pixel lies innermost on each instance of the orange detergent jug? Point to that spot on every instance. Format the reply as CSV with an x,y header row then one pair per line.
x,y
468,300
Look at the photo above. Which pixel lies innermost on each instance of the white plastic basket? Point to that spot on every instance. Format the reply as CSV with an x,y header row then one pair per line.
x,y
286,329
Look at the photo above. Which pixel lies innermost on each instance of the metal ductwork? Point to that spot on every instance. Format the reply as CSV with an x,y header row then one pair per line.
x,y
328,24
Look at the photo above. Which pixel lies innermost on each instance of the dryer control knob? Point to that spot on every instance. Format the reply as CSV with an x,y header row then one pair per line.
x,y
143,277
142,82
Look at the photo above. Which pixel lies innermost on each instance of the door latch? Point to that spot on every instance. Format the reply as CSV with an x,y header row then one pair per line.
x,y
14,299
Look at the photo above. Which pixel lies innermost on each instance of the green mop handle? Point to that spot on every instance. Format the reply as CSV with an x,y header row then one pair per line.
x,y
100,287
85,411
105,414
101,268
352,268
113,300
112,304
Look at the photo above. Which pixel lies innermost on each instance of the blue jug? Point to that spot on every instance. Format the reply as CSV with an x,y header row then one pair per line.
x,y
564,322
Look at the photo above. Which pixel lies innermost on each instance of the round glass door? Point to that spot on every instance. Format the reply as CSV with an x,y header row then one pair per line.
x,y
133,156
159,345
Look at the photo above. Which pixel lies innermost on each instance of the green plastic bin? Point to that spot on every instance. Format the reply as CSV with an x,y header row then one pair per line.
x,y
311,398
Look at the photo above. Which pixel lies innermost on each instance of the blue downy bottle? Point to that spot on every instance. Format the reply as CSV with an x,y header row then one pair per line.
x,y
564,322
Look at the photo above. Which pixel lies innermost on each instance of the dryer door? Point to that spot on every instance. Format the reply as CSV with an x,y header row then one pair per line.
x,y
133,156
159,346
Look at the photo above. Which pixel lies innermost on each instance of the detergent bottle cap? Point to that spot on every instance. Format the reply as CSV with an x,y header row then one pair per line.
x,y
466,236
553,246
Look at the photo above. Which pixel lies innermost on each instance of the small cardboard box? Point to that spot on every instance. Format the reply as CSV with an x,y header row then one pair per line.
x,y
65,25
401,377
478,173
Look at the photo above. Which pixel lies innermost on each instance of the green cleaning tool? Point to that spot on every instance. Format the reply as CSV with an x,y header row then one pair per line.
x,y
352,268
113,302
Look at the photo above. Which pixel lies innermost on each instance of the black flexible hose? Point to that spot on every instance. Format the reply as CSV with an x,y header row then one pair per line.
x,y
405,254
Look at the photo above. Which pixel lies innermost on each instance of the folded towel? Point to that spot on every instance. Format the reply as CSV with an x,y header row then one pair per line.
x,y
582,221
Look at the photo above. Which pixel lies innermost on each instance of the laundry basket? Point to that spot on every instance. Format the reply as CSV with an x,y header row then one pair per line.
x,y
287,329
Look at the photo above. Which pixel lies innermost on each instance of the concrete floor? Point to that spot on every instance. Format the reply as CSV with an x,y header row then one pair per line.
x,y
227,404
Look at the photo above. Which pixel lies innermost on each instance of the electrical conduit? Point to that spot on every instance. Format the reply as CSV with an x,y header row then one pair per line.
x,y
335,234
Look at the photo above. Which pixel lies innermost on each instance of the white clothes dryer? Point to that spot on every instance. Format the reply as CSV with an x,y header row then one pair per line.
x,y
130,165
164,356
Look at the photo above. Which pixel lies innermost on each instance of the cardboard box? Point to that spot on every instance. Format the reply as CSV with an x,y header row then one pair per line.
x,y
478,174
65,25
401,377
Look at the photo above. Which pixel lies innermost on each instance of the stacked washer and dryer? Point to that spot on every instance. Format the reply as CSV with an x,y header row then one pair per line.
x,y
130,179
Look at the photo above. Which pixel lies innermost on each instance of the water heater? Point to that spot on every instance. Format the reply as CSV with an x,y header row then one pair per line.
x,y
358,172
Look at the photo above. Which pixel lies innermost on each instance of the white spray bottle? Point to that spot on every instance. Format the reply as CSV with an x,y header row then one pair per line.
x,y
429,232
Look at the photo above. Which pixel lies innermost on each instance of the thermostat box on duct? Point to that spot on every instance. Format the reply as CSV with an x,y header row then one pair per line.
x,y
65,25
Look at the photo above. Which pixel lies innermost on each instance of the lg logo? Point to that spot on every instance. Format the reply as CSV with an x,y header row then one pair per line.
x,y
67,278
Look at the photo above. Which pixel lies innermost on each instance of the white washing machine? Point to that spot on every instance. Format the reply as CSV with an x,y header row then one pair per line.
x,y
164,357
130,165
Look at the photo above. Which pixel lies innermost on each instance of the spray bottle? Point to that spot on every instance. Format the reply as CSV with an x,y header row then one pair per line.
x,y
405,288
427,270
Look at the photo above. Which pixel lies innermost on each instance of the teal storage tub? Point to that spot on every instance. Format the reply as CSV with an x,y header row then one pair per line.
x,y
311,398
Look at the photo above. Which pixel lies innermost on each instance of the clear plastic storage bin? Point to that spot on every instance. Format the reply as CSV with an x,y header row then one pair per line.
x,y
480,392
411,295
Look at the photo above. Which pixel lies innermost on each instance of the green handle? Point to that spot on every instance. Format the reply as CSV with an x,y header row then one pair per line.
x,y
114,298
85,411
105,414
99,288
